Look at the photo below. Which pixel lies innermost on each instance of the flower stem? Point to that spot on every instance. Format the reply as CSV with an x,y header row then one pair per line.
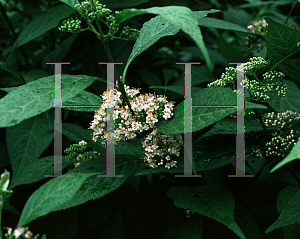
x,y
1,206
293,6
104,40
262,124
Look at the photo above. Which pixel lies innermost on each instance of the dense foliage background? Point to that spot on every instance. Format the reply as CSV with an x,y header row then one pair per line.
x,y
145,203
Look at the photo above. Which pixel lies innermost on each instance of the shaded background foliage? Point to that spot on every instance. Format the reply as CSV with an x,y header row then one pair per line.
x,y
145,204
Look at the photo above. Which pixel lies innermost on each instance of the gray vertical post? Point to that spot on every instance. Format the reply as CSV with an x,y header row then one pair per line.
x,y
57,121
110,146
240,134
188,148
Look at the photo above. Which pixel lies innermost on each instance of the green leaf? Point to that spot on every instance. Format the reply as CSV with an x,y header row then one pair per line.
x,y
282,41
291,101
37,97
288,204
202,117
14,73
149,77
84,98
150,33
204,158
293,155
34,75
114,229
123,3
43,23
4,155
291,231
97,187
90,215
58,53
77,133
70,3
179,89
221,24
186,20
246,222
190,228
125,14
9,207
51,195
36,170
250,105
9,89
25,143
228,126
203,14
171,19
211,201
285,195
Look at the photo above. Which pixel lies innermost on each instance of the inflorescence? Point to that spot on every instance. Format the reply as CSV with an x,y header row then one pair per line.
x,y
76,152
254,42
93,10
148,109
20,231
271,81
162,146
284,136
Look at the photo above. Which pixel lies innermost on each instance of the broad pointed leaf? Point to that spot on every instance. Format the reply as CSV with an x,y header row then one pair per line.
x,y
211,201
37,97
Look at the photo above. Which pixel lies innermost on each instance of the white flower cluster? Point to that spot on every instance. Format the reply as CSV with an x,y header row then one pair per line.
x,y
148,110
157,146
20,231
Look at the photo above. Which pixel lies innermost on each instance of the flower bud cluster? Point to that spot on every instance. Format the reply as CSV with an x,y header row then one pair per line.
x,y
148,109
70,25
96,10
130,33
100,11
277,85
281,120
284,136
228,77
112,23
160,147
188,212
272,75
20,231
92,10
255,152
76,153
281,145
257,92
83,6
257,89
253,65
